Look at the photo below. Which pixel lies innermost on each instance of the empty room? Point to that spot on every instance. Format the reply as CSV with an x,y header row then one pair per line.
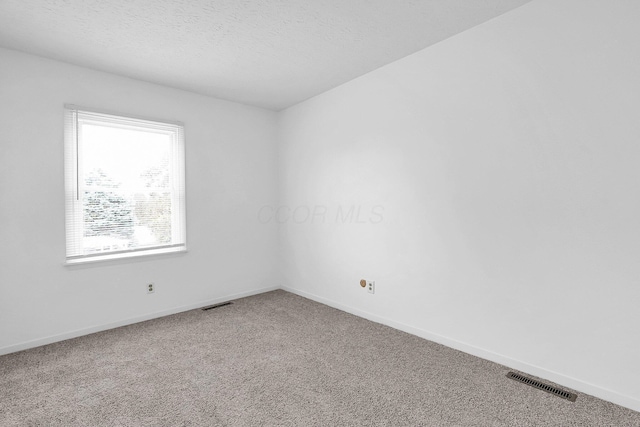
x,y
319,213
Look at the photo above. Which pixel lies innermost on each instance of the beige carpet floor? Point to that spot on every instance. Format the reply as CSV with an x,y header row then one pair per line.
x,y
274,359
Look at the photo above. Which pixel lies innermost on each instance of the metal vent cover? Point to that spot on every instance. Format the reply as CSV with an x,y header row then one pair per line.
x,y
542,386
211,307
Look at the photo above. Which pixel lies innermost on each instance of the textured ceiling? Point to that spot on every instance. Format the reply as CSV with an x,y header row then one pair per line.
x,y
269,53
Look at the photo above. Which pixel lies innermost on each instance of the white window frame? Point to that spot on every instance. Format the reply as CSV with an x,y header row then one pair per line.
x,y
74,186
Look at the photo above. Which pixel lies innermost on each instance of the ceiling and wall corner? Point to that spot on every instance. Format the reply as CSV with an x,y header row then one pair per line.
x,y
271,54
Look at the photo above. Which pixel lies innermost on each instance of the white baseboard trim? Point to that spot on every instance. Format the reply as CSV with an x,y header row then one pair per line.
x,y
573,383
98,328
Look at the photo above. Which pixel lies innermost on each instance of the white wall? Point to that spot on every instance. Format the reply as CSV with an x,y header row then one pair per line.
x,y
231,173
505,164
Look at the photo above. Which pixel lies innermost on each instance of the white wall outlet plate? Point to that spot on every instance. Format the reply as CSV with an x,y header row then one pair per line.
x,y
371,287
151,288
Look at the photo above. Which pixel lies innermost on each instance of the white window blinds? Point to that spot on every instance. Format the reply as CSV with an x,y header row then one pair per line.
x,y
125,186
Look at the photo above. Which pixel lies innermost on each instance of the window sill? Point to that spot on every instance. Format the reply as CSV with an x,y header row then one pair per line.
x,y
124,257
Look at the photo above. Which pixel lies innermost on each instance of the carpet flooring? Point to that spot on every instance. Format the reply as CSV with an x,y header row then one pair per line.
x,y
274,359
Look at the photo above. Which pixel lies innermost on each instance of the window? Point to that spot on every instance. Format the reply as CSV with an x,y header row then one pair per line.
x,y
124,183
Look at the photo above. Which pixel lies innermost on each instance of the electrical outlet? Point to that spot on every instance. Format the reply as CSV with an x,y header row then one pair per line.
x,y
151,288
371,287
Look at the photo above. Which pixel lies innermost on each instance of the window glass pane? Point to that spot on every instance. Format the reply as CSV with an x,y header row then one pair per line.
x,y
126,174
126,156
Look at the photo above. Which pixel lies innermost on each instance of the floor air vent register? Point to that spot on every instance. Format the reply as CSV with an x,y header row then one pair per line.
x,y
211,307
542,386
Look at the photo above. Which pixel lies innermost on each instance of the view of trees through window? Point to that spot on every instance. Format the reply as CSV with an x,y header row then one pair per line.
x,y
106,213
126,199
127,219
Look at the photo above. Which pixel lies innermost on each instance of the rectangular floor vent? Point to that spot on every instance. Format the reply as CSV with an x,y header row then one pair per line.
x,y
211,307
542,386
